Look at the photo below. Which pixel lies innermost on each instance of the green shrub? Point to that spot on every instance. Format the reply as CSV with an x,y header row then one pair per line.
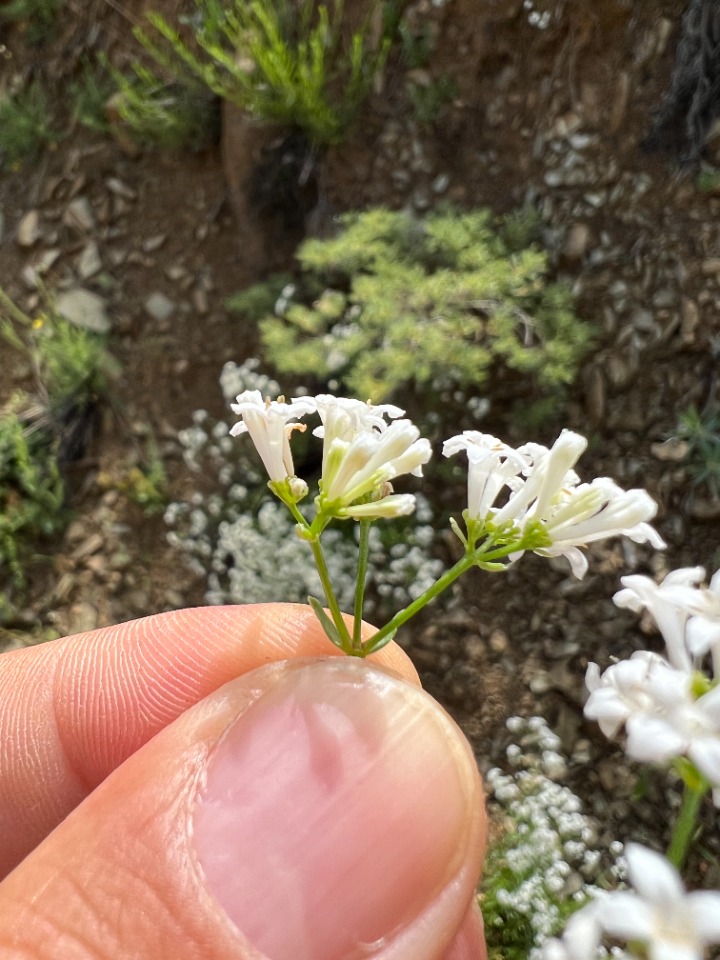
x,y
90,94
428,100
31,494
25,126
170,116
73,363
38,15
280,60
436,303
701,431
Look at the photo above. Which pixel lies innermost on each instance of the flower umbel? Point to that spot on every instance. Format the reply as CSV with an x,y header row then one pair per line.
x,y
553,512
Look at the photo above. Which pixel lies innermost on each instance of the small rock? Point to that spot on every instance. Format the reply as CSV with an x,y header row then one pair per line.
x,y
120,560
200,302
89,262
28,231
160,307
582,752
710,267
619,102
176,272
88,547
154,243
567,124
45,259
79,215
704,509
578,241
689,320
83,617
85,309
498,640
120,189
474,649
664,298
75,531
673,450
97,564
440,183
541,683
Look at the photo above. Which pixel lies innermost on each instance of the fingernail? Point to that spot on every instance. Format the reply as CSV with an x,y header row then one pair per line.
x,y
335,809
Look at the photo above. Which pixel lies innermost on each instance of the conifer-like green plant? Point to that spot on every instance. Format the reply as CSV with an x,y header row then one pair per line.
x,y
280,60
169,116
437,303
31,495
25,125
38,16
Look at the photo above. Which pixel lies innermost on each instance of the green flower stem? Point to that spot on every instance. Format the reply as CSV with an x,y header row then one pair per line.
x,y
685,824
449,577
363,554
332,603
13,310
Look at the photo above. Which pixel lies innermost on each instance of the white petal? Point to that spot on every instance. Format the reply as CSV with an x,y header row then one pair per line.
x,y
654,877
672,950
702,634
395,505
582,933
577,559
704,906
705,754
625,915
709,703
652,739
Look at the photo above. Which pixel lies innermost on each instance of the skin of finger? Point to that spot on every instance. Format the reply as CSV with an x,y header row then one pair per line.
x,y
73,710
469,943
118,877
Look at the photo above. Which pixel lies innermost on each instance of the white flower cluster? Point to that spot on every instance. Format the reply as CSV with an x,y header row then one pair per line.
x,y
669,709
544,492
250,554
669,923
362,452
549,858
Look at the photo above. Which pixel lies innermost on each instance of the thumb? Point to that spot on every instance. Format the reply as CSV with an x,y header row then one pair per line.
x,y
310,810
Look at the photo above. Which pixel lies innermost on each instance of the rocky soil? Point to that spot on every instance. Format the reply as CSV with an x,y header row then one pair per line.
x,y
552,102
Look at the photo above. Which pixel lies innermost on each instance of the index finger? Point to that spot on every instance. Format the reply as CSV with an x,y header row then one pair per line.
x,y
74,709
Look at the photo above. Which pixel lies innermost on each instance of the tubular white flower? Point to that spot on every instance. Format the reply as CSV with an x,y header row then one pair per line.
x,y
344,417
270,424
492,465
703,607
673,924
662,717
372,458
667,602
395,505
622,690
361,452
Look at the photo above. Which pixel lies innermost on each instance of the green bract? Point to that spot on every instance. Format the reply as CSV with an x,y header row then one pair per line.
x,y
438,302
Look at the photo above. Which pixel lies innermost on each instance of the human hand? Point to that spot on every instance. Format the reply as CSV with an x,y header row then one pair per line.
x,y
190,786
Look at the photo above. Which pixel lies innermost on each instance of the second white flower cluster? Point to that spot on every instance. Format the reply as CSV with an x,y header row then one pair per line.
x,y
669,707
